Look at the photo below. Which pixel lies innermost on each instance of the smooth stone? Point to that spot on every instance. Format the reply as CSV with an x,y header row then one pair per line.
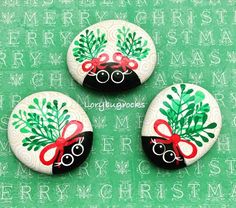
x,y
50,133
181,125
112,55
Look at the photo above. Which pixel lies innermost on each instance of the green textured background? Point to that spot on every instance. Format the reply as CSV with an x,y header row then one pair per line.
x,y
195,41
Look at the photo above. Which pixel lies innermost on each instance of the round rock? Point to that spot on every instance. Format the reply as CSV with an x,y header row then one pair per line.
x,y
181,125
112,55
50,133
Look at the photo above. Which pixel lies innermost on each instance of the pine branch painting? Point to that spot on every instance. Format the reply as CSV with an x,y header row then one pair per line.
x,y
43,123
130,45
187,115
89,45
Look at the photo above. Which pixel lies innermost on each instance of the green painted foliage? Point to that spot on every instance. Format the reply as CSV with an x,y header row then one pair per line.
x,y
187,115
130,45
89,45
44,122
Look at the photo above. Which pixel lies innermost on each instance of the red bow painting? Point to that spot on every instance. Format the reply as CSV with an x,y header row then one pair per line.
x,y
63,141
124,62
95,63
175,140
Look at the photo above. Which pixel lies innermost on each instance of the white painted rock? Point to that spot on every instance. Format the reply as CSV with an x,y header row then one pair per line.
x,y
50,133
112,55
181,125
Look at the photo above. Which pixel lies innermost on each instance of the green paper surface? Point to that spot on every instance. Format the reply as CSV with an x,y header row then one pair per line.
x,y
195,42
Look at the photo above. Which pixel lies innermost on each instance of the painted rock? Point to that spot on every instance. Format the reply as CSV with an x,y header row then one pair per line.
x,y
181,125
50,133
112,55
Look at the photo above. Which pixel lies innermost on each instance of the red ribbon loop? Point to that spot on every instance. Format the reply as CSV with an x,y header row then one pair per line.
x,y
124,62
61,142
95,63
173,139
